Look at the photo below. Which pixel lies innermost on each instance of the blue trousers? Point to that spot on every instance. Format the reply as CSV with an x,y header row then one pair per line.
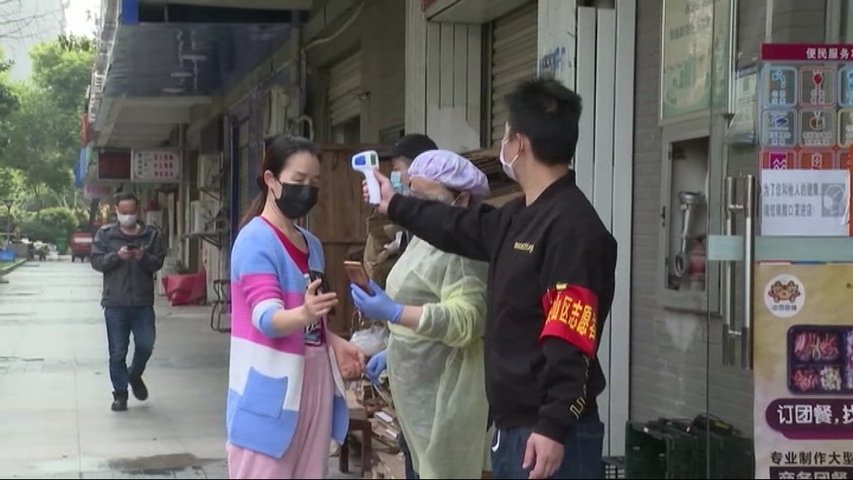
x,y
582,458
121,322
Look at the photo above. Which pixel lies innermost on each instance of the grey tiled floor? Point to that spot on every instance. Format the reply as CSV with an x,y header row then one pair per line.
x,y
55,420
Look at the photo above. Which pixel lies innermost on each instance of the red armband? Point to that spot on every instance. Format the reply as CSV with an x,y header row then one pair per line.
x,y
572,315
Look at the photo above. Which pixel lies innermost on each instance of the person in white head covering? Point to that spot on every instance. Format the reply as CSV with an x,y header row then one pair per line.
x,y
436,307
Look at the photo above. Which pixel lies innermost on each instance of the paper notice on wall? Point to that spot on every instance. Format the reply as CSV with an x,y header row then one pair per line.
x,y
742,128
805,203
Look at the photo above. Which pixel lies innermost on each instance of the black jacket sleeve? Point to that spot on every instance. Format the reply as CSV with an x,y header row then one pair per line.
x,y
470,232
579,273
155,253
103,259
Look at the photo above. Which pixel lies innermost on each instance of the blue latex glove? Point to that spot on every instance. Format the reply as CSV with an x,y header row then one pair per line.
x,y
375,366
378,306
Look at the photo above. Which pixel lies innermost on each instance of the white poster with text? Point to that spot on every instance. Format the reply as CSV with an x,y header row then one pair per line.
x,y
805,203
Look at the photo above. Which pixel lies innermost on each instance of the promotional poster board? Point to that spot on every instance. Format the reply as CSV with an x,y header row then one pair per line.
x,y
803,357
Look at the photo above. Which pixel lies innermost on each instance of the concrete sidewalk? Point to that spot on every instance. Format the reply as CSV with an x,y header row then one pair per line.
x,y
8,267
55,393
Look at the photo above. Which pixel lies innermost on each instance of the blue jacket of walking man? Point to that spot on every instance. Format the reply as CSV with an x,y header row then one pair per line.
x,y
128,253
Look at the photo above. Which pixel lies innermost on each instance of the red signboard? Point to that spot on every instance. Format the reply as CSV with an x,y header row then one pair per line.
x,y
805,52
113,165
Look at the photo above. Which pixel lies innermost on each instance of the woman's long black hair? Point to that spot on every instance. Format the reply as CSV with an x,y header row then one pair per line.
x,y
277,152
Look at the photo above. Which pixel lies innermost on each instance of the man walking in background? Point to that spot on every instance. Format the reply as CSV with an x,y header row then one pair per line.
x,y
128,253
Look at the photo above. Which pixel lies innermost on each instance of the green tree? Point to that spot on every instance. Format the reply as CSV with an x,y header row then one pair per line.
x,y
63,69
50,224
44,130
41,145
12,185
8,100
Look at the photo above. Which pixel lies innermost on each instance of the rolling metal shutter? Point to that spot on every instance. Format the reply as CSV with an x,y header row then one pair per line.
x,y
344,87
513,60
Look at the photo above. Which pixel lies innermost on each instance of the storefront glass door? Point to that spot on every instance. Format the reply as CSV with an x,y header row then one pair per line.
x,y
780,341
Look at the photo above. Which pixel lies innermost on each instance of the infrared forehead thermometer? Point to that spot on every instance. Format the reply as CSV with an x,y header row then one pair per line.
x,y
366,162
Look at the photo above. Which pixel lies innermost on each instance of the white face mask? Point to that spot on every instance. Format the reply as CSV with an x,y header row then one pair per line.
x,y
126,221
507,166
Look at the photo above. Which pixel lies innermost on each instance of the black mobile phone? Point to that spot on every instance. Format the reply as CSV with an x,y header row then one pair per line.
x,y
324,281
324,284
132,246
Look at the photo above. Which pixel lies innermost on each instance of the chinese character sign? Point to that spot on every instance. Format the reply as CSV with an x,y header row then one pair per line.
x,y
806,124
156,167
803,370
811,203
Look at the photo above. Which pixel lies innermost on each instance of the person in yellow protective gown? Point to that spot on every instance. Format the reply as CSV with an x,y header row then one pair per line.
x,y
436,306
386,241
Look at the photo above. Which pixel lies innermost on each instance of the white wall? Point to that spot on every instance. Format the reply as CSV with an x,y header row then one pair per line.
x,y
600,57
443,80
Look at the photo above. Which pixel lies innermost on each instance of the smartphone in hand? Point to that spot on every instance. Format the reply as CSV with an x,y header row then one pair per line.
x,y
324,283
358,276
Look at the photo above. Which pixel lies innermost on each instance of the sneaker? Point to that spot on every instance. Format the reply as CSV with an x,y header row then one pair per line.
x,y
140,391
119,401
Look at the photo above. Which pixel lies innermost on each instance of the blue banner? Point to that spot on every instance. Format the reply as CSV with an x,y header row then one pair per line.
x,y
129,14
81,168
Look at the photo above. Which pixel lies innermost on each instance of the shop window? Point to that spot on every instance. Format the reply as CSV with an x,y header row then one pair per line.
x,y
690,197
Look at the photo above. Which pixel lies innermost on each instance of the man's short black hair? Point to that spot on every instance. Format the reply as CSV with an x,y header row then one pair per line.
x,y
547,113
124,196
409,147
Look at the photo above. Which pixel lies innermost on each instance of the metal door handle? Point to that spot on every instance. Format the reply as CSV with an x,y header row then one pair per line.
x,y
749,213
731,333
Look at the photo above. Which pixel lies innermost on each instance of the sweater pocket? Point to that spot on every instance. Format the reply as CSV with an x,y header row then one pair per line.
x,y
263,395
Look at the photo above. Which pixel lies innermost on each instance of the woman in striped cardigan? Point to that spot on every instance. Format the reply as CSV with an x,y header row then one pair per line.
x,y
286,396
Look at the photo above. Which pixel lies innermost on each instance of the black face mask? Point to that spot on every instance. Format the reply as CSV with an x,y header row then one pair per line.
x,y
296,200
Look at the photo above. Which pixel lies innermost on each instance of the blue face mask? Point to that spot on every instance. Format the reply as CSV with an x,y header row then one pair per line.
x,y
397,183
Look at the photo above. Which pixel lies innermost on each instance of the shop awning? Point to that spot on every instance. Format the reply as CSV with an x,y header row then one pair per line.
x,y
150,74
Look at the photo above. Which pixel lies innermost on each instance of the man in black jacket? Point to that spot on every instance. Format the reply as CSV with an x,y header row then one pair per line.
x,y
128,253
551,283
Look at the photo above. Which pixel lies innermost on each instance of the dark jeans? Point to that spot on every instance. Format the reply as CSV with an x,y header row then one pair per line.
x,y
582,458
121,321
407,455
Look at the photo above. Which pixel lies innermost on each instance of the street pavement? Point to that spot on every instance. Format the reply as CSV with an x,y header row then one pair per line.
x,y
55,393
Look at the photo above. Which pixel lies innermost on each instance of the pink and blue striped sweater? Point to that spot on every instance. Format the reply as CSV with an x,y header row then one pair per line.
x,y
266,370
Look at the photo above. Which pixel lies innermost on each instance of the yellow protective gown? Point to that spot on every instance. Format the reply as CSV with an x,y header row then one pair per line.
x,y
436,372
